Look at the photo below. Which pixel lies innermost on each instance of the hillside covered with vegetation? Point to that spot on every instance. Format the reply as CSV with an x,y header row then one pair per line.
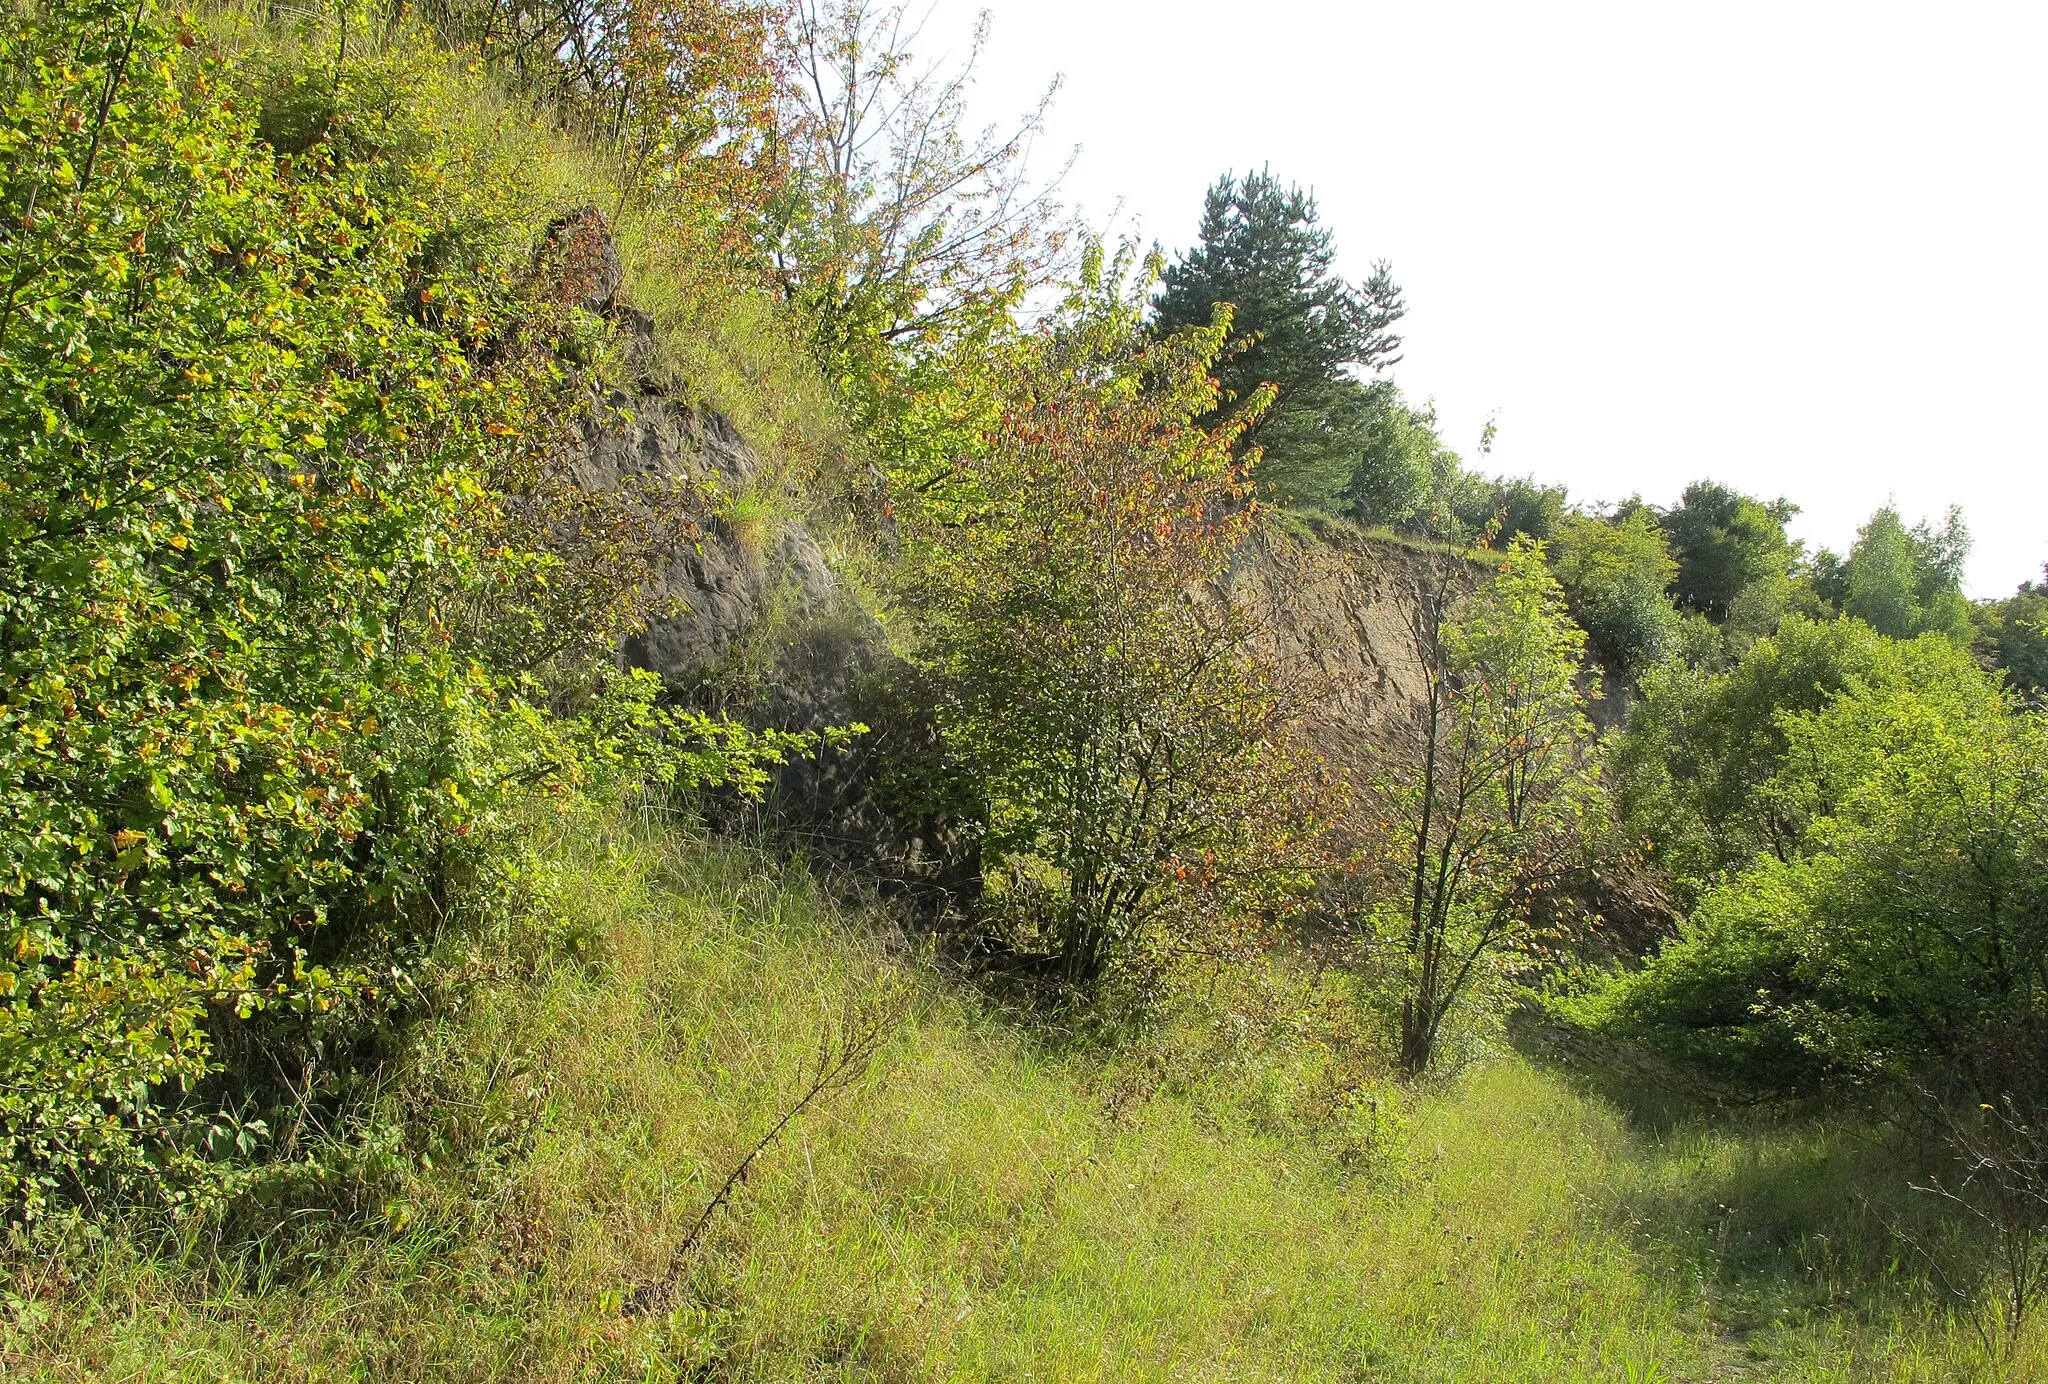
x,y
654,725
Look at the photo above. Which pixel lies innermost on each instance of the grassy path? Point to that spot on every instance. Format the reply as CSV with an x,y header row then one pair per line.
x,y
972,1213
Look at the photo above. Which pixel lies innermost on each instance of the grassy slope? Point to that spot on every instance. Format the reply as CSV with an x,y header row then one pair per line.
x,y
980,1208
985,1206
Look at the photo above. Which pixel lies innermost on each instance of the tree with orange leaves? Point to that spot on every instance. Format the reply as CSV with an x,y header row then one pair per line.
x,y
1140,778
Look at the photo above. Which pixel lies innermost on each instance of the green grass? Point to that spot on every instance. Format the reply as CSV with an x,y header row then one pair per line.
x,y
721,339
1313,526
985,1203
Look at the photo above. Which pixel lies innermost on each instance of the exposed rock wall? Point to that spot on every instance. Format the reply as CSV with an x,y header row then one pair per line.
x,y
1341,607
757,624
760,627
723,583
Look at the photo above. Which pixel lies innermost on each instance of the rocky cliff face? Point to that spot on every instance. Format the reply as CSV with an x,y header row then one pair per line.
x,y
1341,607
760,627
726,582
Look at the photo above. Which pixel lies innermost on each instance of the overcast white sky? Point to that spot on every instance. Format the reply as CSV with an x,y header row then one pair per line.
x,y
1794,246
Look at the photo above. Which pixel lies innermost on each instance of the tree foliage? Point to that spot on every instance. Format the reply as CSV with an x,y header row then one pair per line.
x,y
1483,804
1509,506
1919,896
1907,582
1401,465
1132,746
1615,572
903,238
1726,544
1896,929
1692,766
2012,636
1301,328
282,534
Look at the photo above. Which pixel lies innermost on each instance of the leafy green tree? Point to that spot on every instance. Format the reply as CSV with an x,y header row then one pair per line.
x,y
1920,897
1301,328
1131,745
1727,544
1691,768
1908,582
1828,575
2012,636
1402,462
1517,504
1484,804
901,236
1876,906
1615,572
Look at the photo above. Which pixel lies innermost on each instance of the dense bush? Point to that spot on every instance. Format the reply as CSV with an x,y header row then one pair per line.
x,y
1918,896
2012,636
1130,742
1616,572
1890,923
1692,765
282,533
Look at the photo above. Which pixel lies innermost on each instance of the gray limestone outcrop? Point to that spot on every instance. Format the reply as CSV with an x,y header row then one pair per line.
x,y
756,624
759,626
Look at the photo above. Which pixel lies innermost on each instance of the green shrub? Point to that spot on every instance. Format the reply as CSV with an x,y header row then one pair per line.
x,y
1137,755
283,532
1691,767
246,750
1888,923
1615,572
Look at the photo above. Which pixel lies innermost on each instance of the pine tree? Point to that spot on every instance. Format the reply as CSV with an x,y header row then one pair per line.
x,y
1297,324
